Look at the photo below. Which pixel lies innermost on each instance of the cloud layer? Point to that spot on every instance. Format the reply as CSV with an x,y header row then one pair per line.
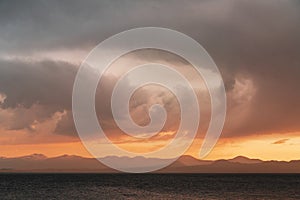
x,y
256,45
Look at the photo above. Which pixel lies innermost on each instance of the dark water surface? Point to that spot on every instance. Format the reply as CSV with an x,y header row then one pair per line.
x,y
149,186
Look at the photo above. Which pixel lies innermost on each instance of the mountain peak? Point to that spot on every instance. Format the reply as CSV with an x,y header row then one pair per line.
x,y
67,156
188,160
34,156
244,160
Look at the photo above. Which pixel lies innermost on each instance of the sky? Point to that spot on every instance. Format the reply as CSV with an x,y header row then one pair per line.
x,y
255,44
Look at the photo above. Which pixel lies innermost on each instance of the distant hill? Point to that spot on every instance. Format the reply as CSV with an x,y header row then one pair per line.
x,y
185,164
238,164
244,160
41,163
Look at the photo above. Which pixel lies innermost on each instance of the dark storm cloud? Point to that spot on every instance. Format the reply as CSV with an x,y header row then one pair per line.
x,y
44,25
36,82
255,40
34,90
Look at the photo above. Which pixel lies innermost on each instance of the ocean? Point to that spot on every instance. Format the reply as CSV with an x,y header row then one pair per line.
x,y
149,186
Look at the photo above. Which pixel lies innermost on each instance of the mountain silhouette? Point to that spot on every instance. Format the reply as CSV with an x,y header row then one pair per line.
x,y
184,164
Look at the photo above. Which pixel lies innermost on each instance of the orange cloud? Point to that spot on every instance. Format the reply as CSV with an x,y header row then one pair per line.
x,y
280,141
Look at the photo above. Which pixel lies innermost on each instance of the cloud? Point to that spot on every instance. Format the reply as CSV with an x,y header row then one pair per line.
x,y
42,26
29,82
34,91
280,141
257,54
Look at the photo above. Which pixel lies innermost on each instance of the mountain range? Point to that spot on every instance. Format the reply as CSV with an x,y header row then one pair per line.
x,y
185,164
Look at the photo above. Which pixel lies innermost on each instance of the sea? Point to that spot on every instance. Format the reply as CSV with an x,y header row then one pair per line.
x,y
149,186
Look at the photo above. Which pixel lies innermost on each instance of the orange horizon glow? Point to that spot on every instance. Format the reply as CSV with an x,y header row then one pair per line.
x,y
264,147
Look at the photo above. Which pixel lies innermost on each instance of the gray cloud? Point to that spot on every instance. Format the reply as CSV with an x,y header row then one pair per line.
x,y
34,90
36,82
43,25
255,40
